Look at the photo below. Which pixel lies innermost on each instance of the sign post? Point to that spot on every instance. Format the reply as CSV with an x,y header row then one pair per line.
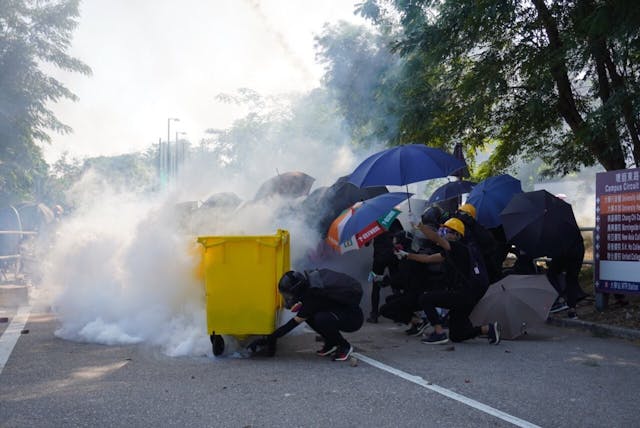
x,y
617,234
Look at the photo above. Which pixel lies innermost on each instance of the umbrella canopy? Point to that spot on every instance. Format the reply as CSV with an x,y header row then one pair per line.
x,y
450,190
491,196
222,199
324,204
458,153
288,184
516,302
365,220
404,165
539,223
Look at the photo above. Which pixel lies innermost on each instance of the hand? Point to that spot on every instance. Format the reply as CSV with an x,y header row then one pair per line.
x,y
257,344
265,345
400,254
414,220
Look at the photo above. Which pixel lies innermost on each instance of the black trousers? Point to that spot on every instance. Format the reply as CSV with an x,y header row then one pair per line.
x,y
378,268
460,304
571,264
330,324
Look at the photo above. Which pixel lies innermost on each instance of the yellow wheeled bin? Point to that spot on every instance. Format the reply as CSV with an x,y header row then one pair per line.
x,y
241,275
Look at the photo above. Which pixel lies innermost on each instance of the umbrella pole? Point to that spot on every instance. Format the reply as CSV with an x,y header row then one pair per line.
x,y
406,186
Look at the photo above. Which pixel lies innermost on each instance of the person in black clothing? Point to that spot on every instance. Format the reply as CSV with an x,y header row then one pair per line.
x,y
461,294
383,258
414,277
483,238
327,313
569,262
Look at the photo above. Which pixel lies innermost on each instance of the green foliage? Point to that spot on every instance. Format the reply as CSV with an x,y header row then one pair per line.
x,y
33,35
558,82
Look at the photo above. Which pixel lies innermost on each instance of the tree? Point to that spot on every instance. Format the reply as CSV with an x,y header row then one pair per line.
x,y
556,79
33,34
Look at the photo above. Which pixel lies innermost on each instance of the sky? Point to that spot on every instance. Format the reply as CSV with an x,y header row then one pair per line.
x,y
156,60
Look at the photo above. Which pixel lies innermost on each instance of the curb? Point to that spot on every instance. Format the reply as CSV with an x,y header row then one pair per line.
x,y
596,329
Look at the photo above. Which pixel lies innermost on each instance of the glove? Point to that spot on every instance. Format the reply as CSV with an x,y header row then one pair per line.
x,y
400,254
265,345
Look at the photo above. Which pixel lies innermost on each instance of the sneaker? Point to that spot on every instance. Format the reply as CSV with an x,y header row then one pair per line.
x,y
572,315
417,329
558,306
343,353
435,339
494,333
326,350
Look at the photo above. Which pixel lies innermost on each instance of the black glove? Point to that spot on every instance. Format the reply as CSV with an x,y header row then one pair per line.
x,y
264,343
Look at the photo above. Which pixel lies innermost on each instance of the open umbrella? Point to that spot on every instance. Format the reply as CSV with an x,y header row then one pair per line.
x,y
365,220
516,302
222,200
459,154
450,190
490,196
288,184
539,223
324,204
403,165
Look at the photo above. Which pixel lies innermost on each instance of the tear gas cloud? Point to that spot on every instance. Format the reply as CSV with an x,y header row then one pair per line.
x,y
121,268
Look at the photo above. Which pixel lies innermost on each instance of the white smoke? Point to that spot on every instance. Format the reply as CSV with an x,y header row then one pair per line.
x,y
122,267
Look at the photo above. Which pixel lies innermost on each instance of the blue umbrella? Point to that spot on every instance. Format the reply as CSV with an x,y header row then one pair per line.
x,y
369,211
450,190
404,165
491,196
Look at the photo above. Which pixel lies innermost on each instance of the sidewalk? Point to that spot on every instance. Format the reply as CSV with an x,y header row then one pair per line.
x,y
601,330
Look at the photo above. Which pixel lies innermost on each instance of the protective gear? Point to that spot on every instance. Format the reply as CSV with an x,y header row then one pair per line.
x,y
432,216
400,254
469,209
292,285
455,224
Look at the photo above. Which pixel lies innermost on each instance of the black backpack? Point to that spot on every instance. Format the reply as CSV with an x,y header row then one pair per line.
x,y
337,286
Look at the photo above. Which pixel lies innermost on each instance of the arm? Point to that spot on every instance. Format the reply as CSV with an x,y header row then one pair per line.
x,y
432,235
425,258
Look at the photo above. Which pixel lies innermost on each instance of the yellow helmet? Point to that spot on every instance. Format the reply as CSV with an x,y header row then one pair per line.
x,y
455,224
469,209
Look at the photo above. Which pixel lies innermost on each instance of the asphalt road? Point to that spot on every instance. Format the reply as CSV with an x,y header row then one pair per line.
x,y
552,377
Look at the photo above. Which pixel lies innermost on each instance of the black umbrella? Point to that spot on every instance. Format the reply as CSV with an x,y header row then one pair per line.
x,y
459,154
222,199
540,223
288,184
450,190
324,204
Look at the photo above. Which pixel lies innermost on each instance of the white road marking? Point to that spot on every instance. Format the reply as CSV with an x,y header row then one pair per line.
x,y
12,333
447,393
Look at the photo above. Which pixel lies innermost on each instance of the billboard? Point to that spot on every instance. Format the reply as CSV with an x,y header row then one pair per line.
x,y
617,234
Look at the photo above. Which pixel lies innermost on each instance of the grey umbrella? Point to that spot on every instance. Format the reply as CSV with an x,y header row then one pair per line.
x,y
516,302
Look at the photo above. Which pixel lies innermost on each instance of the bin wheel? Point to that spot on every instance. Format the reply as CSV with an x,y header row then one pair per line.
x,y
217,343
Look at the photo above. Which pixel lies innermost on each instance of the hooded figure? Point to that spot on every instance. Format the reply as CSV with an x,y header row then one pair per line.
x,y
328,301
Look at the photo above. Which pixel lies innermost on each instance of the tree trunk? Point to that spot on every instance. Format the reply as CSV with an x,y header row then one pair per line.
x,y
606,152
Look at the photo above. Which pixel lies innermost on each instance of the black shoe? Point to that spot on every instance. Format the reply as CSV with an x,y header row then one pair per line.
x,y
572,315
326,350
417,329
435,339
343,353
373,319
494,333
558,306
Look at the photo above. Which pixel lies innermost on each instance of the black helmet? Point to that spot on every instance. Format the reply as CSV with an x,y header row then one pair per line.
x,y
292,285
433,216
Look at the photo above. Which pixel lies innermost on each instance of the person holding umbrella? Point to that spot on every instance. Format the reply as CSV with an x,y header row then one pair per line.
x,y
463,289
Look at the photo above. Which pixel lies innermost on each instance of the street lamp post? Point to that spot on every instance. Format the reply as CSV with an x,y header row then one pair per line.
x,y
169,161
179,150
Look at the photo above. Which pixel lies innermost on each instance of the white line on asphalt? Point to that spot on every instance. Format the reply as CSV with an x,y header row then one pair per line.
x,y
447,393
12,333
